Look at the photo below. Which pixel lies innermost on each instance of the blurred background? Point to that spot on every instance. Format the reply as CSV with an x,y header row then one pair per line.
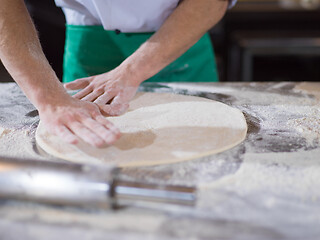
x,y
258,40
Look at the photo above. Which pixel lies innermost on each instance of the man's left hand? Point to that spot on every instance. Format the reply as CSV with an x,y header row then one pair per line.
x,y
110,91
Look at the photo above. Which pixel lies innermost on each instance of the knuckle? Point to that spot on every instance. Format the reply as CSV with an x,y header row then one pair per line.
x,y
72,141
95,114
67,114
76,125
100,89
69,118
85,80
59,130
83,116
91,83
93,110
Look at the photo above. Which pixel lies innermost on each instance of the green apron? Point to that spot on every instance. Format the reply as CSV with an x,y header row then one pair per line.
x,y
90,50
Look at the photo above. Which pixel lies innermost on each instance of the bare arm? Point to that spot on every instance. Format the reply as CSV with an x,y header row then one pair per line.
x,y
184,27
22,55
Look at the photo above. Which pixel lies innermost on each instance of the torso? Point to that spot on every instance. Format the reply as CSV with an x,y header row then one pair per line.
x,y
124,15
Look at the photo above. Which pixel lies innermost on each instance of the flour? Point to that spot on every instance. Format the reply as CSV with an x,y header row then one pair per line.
x,y
17,143
293,175
4,132
201,88
308,127
281,162
268,184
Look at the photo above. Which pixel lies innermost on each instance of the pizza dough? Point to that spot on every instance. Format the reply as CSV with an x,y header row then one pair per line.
x,y
159,128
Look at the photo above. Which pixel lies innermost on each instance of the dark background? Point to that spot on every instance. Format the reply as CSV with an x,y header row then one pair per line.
x,y
258,40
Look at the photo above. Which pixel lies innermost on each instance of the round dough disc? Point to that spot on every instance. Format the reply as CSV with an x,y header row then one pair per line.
x,y
159,128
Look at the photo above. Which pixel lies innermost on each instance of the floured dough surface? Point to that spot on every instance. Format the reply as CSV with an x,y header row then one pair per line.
x,y
159,128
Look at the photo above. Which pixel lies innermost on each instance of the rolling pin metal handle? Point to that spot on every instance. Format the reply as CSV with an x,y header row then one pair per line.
x,y
138,191
80,185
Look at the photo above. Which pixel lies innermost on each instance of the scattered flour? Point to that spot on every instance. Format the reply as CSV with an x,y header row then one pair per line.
x,y
309,124
16,143
4,131
308,127
251,184
292,174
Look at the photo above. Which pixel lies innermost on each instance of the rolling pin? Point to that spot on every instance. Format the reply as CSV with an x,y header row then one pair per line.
x,y
70,184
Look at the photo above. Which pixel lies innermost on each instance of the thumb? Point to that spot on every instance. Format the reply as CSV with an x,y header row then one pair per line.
x,y
114,109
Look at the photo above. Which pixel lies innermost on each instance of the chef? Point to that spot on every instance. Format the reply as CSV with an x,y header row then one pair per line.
x,y
112,46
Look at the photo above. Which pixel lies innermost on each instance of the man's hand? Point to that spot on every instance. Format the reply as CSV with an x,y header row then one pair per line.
x,y
72,119
111,91
183,28
62,115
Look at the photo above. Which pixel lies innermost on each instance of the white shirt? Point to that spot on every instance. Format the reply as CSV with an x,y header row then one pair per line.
x,y
124,15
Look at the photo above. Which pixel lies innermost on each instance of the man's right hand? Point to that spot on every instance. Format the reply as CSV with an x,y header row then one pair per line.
x,y
73,119
62,115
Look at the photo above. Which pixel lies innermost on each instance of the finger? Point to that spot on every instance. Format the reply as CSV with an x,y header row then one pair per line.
x,y
104,98
64,133
83,93
124,97
90,97
119,104
77,84
106,134
86,135
114,109
108,125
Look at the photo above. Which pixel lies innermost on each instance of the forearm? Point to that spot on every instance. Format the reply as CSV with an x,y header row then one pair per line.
x,y
185,26
22,55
